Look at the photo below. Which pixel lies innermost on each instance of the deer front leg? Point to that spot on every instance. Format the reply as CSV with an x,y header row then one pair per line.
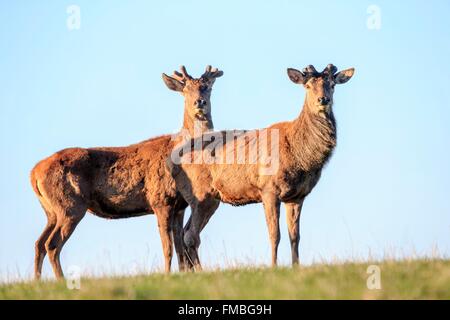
x,y
201,212
272,210
293,211
165,217
189,266
178,239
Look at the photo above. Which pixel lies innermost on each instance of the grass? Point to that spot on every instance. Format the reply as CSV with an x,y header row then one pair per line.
x,y
408,279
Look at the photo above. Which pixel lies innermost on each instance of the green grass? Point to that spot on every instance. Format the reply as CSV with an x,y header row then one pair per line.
x,y
415,279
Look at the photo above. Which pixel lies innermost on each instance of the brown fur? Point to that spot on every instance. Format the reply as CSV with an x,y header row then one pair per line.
x,y
119,182
305,145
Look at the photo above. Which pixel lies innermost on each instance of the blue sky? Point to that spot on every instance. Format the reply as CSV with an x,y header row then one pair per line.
x,y
386,189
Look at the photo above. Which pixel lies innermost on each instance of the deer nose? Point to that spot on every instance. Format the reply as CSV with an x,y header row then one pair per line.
x,y
324,101
200,103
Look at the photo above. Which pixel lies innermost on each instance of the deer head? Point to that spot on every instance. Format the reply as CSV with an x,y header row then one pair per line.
x,y
196,91
320,86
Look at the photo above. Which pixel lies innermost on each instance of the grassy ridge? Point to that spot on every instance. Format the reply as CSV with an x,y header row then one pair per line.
x,y
417,279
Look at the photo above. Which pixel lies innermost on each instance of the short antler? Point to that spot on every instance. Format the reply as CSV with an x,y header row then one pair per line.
x,y
211,73
329,70
183,76
310,72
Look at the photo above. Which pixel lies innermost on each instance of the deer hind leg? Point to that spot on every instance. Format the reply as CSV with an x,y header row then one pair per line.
x,y
165,218
293,211
201,213
178,233
40,250
67,220
272,211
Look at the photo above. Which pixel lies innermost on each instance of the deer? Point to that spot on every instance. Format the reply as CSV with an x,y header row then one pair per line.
x,y
120,182
303,147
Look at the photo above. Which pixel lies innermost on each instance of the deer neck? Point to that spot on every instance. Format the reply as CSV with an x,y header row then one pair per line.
x,y
196,127
312,138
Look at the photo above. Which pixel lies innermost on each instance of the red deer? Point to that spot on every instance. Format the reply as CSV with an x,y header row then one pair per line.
x,y
120,182
304,146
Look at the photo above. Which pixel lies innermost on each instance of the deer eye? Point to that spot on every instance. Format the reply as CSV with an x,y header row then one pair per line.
x,y
203,88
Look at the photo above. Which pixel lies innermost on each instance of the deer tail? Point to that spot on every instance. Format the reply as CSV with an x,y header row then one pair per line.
x,y
34,182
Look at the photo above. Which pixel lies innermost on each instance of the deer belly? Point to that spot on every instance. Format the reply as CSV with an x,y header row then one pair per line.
x,y
119,199
291,189
238,190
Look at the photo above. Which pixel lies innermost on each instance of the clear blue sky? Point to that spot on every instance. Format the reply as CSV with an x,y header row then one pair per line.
x,y
386,189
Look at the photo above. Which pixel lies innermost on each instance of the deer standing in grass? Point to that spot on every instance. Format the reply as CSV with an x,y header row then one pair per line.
x,y
120,182
304,146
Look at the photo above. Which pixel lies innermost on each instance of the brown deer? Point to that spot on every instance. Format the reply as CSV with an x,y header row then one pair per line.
x,y
304,146
120,182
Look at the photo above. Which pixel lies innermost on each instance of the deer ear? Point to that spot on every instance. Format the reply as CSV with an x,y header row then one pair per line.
x,y
344,75
296,76
172,84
